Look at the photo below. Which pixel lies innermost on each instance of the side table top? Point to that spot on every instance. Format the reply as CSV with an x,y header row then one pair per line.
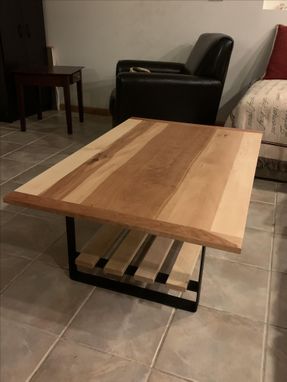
x,y
54,70
184,181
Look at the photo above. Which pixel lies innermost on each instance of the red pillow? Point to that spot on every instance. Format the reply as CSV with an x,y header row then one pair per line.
x,y
277,67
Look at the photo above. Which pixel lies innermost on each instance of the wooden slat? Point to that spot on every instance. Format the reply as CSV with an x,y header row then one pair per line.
x,y
183,266
153,259
124,254
98,245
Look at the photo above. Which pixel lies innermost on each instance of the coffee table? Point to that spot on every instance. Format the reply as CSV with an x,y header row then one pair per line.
x,y
62,76
163,192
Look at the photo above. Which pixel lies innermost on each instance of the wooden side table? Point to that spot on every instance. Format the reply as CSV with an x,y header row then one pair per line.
x,y
62,76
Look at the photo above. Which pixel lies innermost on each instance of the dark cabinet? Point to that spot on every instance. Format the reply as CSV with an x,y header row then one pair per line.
x,y
23,44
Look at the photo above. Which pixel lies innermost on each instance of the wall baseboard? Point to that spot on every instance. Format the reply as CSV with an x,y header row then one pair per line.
x,y
88,110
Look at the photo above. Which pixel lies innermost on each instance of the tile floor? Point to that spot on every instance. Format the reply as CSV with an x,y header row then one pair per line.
x,y
53,329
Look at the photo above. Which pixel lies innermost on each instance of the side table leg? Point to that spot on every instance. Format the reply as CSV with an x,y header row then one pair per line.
x,y
80,98
21,105
39,113
68,107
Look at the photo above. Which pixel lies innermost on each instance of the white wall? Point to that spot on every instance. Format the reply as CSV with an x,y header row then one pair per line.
x,y
97,33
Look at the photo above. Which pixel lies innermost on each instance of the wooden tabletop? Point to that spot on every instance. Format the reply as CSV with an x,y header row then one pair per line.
x,y
184,181
54,70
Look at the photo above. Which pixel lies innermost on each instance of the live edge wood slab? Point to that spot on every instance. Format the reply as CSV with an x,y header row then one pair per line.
x,y
183,181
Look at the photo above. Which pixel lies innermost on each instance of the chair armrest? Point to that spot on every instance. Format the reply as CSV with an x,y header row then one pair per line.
x,y
153,66
174,97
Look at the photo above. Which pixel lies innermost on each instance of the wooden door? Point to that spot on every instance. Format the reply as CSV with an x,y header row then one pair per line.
x,y
13,52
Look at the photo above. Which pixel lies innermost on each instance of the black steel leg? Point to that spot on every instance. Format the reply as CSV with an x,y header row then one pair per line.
x,y
126,288
200,275
71,242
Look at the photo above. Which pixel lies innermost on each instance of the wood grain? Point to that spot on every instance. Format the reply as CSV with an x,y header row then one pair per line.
x,y
98,245
172,179
125,252
153,260
183,267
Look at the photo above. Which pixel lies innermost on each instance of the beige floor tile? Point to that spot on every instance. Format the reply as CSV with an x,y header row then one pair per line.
x,y
32,154
212,346
10,267
10,168
5,216
31,173
256,249
279,261
22,348
54,140
79,363
23,138
43,296
6,129
57,253
158,376
4,189
276,355
278,300
282,193
54,159
234,288
263,191
120,324
7,147
261,216
281,218
28,236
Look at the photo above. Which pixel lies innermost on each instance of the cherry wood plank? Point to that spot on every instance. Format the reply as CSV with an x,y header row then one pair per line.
x,y
153,260
183,267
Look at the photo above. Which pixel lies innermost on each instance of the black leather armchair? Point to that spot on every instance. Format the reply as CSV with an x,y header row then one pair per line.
x,y
173,91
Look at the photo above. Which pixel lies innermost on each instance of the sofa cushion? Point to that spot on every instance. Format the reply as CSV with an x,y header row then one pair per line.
x,y
277,67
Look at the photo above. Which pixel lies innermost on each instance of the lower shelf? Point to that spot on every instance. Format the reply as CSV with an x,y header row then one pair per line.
x,y
123,247
118,259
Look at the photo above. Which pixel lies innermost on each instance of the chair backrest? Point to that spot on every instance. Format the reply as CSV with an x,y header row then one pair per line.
x,y
210,56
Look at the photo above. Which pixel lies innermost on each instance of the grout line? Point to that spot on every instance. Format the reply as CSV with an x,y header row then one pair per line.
x,y
149,375
36,164
59,336
16,276
32,261
240,316
21,146
261,201
162,338
181,378
265,333
253,266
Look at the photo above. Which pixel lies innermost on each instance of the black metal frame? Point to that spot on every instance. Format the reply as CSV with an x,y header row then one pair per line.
x,y
126,288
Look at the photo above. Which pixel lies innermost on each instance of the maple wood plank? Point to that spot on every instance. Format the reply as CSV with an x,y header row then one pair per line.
x,y
98,245
165,178
183,267
56,173
125,252
153,260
